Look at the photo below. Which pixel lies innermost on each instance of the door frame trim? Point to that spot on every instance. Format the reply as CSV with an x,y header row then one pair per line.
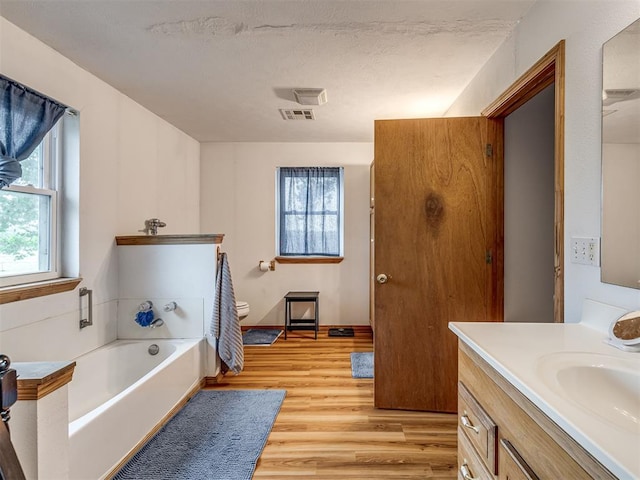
x,y
550,69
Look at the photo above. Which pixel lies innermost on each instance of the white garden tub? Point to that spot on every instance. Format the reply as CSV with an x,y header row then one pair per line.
x,y
119,393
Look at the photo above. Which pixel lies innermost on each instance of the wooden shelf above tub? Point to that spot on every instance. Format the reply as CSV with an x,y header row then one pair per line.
x,y
39,379
190,239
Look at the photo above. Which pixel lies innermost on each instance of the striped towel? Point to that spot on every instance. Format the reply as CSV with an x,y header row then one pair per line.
x,y
225,325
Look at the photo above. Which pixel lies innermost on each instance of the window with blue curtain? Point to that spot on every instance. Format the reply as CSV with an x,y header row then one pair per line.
x,y
26,116
30,166
310,211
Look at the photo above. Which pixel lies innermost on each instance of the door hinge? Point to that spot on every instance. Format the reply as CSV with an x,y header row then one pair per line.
x,y
488,257
489,150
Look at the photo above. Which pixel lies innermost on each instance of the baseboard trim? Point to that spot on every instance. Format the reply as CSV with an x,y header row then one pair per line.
x,y
361,329
212,381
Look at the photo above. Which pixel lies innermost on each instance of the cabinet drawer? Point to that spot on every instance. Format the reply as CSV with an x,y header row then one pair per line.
x,y
512,465
478,427
470,465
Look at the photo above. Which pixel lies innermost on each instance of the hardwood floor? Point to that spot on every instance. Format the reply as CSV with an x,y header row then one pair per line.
x,y
328,428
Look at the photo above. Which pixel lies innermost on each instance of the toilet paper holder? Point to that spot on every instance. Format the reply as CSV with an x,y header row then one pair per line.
x,y
266,266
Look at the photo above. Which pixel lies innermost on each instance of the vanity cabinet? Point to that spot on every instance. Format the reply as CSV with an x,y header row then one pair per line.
x,y
503,435
512,465
478,427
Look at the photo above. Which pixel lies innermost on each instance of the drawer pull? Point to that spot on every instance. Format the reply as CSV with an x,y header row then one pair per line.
x,y
466,473
466,423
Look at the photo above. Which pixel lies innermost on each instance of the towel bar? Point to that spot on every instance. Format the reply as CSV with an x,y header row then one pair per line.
x,y
86,322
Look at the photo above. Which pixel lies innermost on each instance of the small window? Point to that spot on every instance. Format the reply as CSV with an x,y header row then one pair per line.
x,y
29,218
310,206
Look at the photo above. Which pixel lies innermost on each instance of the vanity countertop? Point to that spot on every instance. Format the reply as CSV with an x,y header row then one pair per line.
x,y
533,357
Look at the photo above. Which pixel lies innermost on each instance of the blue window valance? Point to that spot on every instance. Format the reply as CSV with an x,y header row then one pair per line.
x,y
25,118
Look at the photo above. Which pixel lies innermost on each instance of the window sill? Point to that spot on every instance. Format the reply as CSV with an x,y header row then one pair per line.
x,y
15,293
309,259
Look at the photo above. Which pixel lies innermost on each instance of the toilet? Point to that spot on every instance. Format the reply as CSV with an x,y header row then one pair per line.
x,y
243,309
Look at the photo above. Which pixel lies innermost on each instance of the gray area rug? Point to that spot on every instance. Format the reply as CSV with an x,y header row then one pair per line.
x,y
362,364
256,336
218,435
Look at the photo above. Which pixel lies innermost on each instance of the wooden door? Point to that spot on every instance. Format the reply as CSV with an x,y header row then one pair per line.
x,y
436,240
372,237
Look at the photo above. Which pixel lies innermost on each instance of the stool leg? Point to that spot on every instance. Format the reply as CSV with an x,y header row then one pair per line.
x,y
286,318
317,314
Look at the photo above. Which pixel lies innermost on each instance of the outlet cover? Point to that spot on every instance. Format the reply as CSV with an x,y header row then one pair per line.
x,y
585,250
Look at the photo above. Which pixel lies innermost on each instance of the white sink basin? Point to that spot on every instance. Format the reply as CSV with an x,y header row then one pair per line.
x,y
607,387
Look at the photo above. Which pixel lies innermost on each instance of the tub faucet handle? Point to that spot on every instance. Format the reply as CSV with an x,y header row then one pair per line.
x,y
170,307
145,306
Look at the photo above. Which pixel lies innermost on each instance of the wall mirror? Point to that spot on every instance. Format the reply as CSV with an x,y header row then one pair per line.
x,y
620,248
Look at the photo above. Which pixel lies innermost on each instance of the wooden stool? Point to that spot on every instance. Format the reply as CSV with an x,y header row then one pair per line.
x,y
301,323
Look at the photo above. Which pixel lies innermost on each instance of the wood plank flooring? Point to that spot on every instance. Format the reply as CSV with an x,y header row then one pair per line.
x,y
328,428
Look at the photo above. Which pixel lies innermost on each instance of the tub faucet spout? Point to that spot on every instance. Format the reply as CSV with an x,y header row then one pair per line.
x,y
156,322
151,226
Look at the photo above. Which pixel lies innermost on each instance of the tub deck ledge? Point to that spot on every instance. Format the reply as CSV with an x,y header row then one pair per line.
x,y
39,379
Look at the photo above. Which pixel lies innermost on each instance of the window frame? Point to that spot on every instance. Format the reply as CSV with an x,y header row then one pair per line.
x,y
51,186
303,258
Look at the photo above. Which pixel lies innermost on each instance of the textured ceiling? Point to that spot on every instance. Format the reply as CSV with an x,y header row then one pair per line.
x,y
220,70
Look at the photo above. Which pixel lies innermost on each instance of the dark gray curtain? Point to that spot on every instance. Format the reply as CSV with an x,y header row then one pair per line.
x,y
310,211
25,118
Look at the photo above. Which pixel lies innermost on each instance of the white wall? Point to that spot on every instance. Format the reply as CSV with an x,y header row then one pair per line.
x,y
585,25
238,199
133,166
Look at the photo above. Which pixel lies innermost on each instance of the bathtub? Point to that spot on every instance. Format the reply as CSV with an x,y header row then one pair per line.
x,y
119,393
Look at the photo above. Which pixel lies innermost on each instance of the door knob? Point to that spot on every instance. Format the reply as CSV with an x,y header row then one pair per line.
x,y
382,278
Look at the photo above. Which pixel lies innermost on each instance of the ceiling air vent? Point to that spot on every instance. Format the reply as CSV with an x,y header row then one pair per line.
x,y
621,92
297,114
612,96
310,96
